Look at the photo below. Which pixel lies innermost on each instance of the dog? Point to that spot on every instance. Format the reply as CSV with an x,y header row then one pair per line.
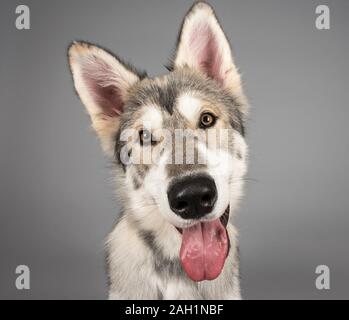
x,y
175,237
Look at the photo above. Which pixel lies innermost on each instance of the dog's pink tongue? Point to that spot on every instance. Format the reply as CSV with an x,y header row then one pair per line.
x,y
204,249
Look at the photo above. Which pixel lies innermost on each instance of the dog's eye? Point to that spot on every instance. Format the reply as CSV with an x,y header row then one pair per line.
x,y
146,138
207,120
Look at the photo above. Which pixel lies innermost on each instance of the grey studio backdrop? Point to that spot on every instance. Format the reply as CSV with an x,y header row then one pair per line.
x,y
57,201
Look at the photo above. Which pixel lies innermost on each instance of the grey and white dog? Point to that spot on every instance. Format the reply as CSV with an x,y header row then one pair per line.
x,y
175,238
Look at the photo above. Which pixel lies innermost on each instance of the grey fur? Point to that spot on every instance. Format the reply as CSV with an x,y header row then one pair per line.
x,y
164,266
163,93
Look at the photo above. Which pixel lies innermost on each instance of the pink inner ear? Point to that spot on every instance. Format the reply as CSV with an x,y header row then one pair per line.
x,y
101,83
205,47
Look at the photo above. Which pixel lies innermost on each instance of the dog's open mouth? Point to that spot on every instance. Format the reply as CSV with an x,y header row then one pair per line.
x,y
205,247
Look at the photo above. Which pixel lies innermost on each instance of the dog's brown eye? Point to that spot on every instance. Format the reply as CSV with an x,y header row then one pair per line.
x,y
146,138
207,120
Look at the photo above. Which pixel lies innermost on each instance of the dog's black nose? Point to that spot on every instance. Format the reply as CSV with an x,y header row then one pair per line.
x,y
192,197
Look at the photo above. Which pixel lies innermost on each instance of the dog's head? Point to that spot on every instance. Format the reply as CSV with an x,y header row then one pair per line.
x,y
178,139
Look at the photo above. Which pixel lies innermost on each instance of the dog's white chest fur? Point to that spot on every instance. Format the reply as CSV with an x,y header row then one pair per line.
x,y
134,272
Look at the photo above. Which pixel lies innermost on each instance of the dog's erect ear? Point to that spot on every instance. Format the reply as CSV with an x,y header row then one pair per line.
x,y
102,83
203,46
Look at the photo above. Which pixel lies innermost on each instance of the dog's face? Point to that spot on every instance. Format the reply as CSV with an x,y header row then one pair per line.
x,y
178,139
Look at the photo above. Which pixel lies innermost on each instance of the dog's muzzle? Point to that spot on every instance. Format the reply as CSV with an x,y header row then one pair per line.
x,y
205,245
